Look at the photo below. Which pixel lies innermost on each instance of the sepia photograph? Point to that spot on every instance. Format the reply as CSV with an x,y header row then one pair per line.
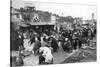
x,y
44,33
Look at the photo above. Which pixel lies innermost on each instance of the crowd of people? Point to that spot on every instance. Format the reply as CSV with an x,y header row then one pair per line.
x,y
44,45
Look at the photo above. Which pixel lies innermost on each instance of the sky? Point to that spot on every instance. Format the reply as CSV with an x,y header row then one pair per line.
x,y
74,10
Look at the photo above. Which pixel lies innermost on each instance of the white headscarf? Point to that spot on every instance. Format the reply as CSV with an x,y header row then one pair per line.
x,y
66,39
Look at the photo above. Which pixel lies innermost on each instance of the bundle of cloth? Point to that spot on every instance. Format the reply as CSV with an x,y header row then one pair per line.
x,y
46,56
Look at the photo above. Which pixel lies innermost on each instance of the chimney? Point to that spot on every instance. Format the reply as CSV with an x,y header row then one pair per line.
x,y
92,16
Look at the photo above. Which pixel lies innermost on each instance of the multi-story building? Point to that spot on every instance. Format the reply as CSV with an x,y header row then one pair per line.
x,y
28,16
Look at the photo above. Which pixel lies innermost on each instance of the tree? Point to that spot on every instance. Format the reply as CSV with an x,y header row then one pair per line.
x,y
69,19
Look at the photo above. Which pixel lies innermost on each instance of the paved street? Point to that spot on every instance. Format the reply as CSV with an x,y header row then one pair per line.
x,y
58,57
86,54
